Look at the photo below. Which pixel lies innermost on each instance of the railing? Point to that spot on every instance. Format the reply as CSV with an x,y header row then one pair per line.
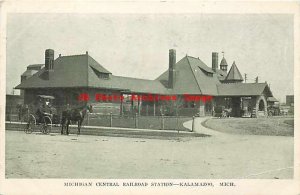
x,y
141,122
12,114
131,120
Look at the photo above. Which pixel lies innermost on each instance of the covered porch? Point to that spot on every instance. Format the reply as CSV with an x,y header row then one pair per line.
x,y
244,99
242,106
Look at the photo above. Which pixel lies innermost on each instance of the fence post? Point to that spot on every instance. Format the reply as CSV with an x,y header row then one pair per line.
x,y
27,115
10,114
193,124
177,123
162,122
110,121
88,118
147,109
136,124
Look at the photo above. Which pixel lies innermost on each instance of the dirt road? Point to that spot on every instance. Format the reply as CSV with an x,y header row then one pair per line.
x,y
235,156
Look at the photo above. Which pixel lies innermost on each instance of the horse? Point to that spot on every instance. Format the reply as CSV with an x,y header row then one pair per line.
x,y
74,115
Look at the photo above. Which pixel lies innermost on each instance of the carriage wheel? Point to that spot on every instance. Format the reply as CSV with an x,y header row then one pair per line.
x,y
47,125
29,128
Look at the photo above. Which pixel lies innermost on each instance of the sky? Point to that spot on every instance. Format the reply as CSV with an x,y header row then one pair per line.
x,y
137,45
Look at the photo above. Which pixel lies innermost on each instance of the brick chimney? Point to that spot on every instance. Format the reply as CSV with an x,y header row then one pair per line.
x,y
215,61
172,62
49,59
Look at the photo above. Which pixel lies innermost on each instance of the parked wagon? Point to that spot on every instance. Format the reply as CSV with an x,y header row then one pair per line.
x,y
41,115
222,112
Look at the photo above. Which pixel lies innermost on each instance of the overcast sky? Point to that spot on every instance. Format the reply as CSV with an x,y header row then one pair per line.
x,y
138,45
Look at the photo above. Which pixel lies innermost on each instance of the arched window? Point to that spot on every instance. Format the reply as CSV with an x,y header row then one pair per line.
x,y
261,106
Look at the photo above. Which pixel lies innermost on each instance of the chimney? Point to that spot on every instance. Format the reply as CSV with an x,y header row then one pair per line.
x,y
49,59
215,61
172,62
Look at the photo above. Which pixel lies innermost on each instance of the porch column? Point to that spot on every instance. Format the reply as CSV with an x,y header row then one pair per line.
x,y
131,104
201,108
213,104
121,104
139,106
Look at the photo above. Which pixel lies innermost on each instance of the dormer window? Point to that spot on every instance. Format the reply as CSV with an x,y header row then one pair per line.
x,y
210,74
101,75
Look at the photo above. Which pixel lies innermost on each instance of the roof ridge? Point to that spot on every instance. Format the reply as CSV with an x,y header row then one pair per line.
x,y
72,55
135,78
192,57
87,69
194,75
242,83
35,65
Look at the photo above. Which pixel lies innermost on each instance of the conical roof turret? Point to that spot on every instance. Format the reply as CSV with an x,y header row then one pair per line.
x,y
234,74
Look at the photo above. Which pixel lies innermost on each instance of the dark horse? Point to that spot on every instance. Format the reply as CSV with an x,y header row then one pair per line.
x,y
74,115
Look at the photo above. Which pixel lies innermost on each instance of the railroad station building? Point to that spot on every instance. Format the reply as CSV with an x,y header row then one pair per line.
x,y
68,77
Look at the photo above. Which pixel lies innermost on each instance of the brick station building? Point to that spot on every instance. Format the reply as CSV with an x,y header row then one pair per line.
x,y
68,77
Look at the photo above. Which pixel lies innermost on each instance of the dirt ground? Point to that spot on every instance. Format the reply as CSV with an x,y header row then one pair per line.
x,y
215,157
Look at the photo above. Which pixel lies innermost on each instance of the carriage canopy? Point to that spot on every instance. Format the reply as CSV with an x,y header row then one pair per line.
x,y
46,97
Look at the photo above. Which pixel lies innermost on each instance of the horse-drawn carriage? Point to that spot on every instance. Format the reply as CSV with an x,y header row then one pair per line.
x,y
41,115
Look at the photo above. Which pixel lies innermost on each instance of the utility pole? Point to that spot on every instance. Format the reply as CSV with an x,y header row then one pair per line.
x,y
245,78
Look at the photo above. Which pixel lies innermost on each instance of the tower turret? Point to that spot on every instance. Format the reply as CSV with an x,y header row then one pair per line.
x,y
223,64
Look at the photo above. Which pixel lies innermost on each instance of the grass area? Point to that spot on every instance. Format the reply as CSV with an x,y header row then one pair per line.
x,y
275,126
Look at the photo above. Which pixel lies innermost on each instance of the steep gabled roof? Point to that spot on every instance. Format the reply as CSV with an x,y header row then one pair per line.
x,y
244,89
190,78
185,82
207,84
77,71
131,85
234,74
68,71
